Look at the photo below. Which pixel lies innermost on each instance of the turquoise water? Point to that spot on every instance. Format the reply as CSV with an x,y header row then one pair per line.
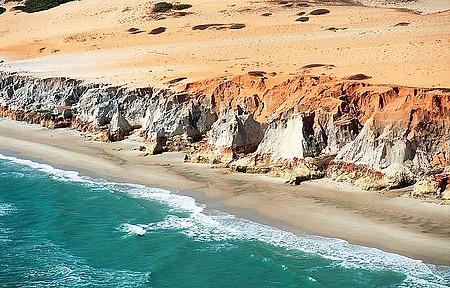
x,y
60,229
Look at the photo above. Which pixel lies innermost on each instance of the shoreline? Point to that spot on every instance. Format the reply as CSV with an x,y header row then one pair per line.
x,y
321,207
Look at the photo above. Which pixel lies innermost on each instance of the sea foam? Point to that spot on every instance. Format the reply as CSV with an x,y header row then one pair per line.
x,y
7,209
205,225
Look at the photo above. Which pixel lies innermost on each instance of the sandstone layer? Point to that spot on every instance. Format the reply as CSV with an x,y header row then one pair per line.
x,y
306,127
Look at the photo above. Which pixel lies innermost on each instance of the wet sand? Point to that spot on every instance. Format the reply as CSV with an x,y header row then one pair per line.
x,y
323,207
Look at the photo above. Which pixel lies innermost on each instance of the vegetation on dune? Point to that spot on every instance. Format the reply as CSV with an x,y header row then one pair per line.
x,y
181,6
32,6
162,7
2,10
158,30
319,12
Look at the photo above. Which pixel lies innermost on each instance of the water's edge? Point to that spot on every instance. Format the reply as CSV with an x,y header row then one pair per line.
x,y
228,225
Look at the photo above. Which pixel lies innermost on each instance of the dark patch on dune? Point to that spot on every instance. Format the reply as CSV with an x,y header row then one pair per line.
x,y
32,6
134,31
176,80
319,12
290,4
316,65
256,73
443,89
181,13
266,14
335,29
237,26
2,10
158,30
162,7
19,8
401,24
302,19
218,26
181,6
205,26
301,13
358,77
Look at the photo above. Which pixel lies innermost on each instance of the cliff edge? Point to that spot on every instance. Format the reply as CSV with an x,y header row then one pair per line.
x,y
304,127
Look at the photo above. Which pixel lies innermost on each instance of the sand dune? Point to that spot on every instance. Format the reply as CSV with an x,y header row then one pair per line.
x,y
90,39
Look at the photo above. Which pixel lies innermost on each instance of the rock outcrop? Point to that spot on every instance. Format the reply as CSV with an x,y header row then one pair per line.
x,y
230,137
303,127
119,127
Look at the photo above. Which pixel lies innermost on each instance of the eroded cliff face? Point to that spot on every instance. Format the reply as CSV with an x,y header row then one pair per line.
x,y
375,136
303,127
107,113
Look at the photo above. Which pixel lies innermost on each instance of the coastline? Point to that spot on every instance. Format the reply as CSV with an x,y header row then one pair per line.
x,y
321,207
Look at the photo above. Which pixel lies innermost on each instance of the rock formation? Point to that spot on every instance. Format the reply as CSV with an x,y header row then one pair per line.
x,y
303,127
231,136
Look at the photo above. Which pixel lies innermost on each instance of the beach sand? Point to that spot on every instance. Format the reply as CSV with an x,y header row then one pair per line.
x,y
321,207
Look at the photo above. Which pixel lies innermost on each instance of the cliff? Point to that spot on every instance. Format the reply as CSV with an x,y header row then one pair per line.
x,y
302,127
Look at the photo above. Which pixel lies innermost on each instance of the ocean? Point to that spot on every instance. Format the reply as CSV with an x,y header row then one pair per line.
x,y
61,229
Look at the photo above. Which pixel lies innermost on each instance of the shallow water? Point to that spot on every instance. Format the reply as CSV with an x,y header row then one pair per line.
x,y
59,229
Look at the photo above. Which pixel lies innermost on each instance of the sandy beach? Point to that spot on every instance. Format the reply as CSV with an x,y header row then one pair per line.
x,y
114,44
322,207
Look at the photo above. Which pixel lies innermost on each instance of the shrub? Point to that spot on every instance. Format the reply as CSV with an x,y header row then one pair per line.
x,y
237,26
181,6
358,77
158,30
19,8
32,6
302,19
319,12
162,7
